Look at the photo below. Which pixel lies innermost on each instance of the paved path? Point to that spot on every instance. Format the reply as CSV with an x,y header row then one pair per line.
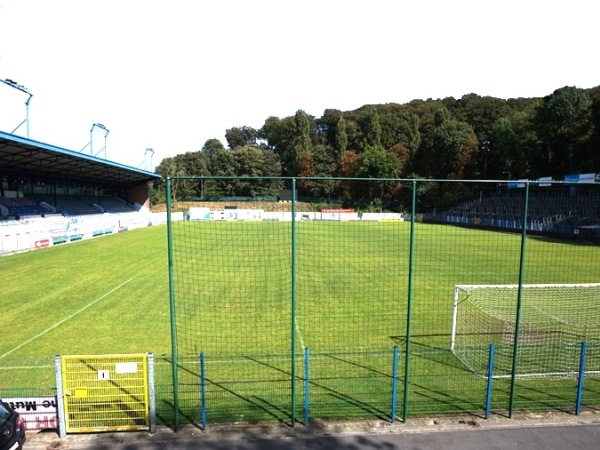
x,y
534,432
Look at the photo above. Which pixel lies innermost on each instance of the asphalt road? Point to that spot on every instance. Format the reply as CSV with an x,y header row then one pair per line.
x,y
566,432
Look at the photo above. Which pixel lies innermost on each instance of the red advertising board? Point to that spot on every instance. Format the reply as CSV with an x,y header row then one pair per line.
x,y
42,243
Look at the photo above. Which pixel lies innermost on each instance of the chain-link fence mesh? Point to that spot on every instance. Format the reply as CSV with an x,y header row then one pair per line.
x,y
257,283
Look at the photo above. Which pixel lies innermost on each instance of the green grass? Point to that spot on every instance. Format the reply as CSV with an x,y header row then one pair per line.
x,y
233,296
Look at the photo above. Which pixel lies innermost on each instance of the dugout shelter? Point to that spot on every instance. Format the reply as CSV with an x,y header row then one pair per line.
x,y
31,169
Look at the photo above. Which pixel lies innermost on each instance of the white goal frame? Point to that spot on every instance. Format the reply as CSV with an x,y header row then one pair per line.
x,y
554,317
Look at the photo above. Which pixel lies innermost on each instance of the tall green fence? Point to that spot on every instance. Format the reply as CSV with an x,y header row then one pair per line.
x,y
344,306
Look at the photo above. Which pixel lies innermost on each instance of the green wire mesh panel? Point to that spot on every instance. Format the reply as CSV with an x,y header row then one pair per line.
x,y
352,284
232,295
232,287
255,285
253,288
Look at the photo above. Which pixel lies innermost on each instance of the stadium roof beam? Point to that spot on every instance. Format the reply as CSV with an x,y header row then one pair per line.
x,y
20,156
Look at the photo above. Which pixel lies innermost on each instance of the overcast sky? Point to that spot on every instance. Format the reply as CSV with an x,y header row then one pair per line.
x,y
169,75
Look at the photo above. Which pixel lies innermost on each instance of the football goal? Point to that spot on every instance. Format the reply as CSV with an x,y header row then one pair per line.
x,y
554,321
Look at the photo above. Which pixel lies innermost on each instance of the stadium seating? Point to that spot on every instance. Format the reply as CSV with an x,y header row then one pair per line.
x,y
83,205
554,212
70,205
22,207
111,204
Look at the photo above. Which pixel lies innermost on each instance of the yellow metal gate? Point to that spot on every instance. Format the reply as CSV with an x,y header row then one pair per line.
x,y
105,393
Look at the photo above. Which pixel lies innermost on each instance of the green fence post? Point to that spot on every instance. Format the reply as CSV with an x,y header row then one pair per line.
x,y
409,301
172,306
515,359
293,327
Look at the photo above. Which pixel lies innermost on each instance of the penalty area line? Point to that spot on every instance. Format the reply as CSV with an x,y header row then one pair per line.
x,y
23,344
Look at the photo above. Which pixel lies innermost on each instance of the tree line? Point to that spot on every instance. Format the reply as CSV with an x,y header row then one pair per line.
x,y
474,137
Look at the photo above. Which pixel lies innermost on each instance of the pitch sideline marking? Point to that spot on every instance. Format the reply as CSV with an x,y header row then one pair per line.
x,y
298,333
23,344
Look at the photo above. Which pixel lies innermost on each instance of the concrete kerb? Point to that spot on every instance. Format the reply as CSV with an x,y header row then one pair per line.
x,y
49,439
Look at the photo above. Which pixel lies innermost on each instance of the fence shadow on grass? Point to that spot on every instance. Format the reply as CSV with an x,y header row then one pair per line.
x,y
336,393
438,355
441,396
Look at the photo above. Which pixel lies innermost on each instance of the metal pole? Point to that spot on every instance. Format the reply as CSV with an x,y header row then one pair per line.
x,y
174,362
306,385
394,382
515,359
105,136
27,113
151,392
92,140
581,377
293,324
411,263
60,397
202,392
488,398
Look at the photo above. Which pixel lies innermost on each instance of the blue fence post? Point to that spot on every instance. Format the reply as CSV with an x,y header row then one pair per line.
x,y
202,392
394,382
488,398
581,377
306,385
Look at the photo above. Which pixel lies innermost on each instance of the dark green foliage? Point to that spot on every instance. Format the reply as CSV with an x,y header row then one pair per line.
x,y
474,137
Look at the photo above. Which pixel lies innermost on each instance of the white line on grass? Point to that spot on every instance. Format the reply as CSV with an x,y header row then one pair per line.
x,y
23,344
299,334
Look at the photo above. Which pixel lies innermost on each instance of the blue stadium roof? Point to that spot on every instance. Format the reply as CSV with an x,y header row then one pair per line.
x,y
21,157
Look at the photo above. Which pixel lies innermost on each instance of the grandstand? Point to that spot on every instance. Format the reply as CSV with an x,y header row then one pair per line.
x,y
50,195
561,210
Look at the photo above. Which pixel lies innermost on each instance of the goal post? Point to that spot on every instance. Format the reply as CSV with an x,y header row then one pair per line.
x,y
555,319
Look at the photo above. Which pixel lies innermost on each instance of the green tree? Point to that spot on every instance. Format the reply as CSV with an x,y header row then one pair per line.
x,y
240,136
279,135
211,146
592,154
271,168
480,112
174,167
563,124
372,129
414,137
222,164
248,161
341,137
454,144
317,163
376,162
502,150
442,115
302,139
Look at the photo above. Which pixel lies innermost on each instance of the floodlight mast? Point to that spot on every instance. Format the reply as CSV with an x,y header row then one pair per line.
x,y
90,144
151,151
106,131
23,89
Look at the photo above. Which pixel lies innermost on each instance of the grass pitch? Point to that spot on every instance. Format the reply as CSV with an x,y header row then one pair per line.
x,y
233,292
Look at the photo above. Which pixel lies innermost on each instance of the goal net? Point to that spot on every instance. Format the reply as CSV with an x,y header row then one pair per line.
x,y
554,321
